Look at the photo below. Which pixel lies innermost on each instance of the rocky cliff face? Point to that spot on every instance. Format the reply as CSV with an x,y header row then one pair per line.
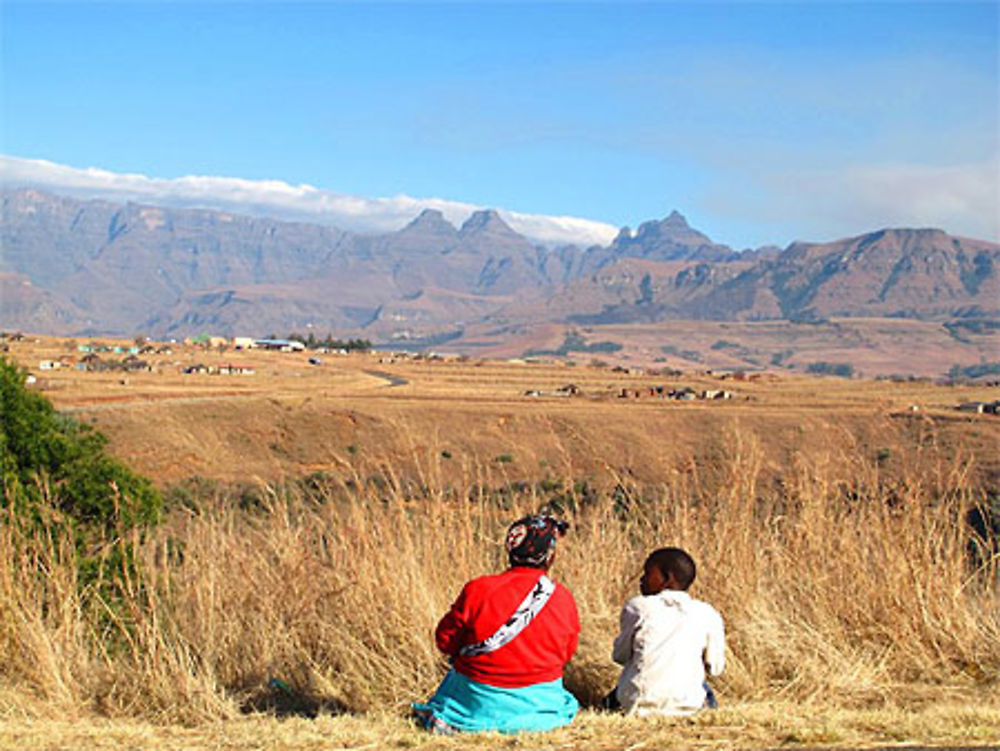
x,y
70,266
670,239
921,273
139,268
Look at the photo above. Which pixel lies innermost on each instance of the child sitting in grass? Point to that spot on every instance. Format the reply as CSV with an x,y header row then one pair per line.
x,y
508,637
667,640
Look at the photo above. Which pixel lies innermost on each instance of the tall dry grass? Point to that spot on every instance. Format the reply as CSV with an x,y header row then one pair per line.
x,y
842,583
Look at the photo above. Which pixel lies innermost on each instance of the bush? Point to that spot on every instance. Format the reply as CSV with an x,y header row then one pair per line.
x,y
311,341
54,472
724,344
574,342
841,369
974,371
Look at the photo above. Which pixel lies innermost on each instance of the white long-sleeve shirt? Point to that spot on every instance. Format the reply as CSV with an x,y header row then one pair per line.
x,y
664,644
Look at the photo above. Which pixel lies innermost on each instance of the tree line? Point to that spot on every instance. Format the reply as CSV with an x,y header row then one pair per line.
x,y
311,341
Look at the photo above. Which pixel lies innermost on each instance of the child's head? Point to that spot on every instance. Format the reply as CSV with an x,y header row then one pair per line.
x,y
667,568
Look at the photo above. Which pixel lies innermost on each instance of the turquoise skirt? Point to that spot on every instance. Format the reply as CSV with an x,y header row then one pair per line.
x,y
463,704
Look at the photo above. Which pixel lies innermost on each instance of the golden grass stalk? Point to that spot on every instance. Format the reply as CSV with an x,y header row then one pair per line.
x,y
839,585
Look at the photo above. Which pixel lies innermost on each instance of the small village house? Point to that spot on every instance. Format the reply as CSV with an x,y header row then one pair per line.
x,y
281,345
133,364
980,408
243,342
235,369
91,363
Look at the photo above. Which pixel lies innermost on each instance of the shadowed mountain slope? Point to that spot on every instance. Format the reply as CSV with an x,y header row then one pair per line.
x,y
914,273
74,266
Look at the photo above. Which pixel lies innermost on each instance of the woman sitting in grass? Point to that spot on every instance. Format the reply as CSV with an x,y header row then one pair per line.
x,y
508,637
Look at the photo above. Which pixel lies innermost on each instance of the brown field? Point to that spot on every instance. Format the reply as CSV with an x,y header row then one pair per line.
x,y
828,517
873,346
291,418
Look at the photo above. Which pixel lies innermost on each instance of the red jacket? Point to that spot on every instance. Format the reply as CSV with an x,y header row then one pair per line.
x,y
536,655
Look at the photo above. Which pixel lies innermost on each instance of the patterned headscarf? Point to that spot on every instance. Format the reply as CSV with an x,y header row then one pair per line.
x,y
531,540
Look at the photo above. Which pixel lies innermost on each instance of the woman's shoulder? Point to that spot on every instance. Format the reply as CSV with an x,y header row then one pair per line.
x,y
512,578
563,591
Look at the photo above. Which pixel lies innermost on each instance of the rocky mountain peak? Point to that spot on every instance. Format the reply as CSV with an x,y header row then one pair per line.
x,y
669,239
624,235
674,225
486,220
430,221
676,219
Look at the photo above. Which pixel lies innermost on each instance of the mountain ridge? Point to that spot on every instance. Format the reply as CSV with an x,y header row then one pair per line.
x,y
97,266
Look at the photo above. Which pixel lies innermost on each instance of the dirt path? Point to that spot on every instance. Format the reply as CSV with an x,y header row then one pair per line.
x,y
393,380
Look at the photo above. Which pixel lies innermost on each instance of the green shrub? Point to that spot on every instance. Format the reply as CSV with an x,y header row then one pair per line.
x,y
54,473
724,344
974,371
574,342
841,369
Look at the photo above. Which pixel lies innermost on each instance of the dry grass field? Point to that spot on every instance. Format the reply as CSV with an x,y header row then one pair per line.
x,y
873,346
291,418
828,516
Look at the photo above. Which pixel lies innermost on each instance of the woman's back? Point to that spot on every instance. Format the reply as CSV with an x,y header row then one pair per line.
x,y
536,655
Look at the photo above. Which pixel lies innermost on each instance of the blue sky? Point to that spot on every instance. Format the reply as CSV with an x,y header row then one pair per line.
x,y
760,122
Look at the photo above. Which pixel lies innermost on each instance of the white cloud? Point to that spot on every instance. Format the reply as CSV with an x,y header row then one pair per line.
x,y
963,199
281,200
821,205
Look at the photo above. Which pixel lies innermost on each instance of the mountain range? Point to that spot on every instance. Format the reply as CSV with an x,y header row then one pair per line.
x,y
93,267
